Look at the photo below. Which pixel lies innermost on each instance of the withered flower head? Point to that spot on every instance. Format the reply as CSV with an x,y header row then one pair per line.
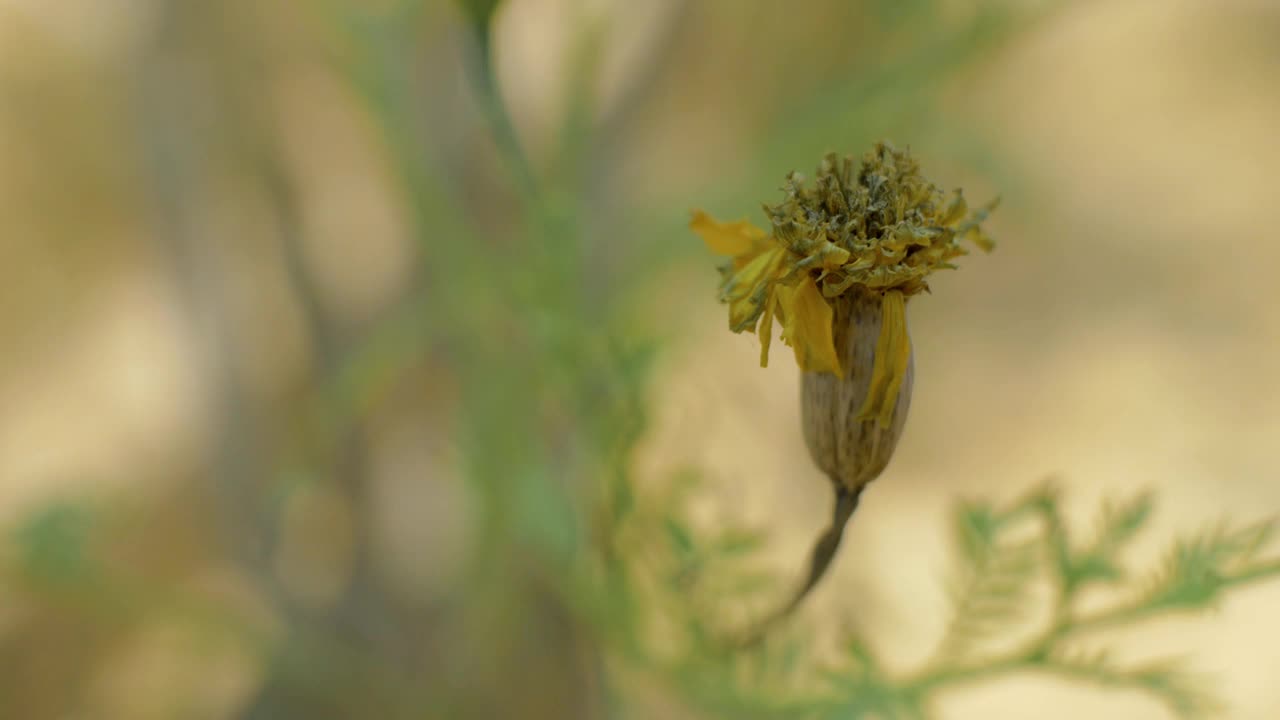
x,y
842,257
836,268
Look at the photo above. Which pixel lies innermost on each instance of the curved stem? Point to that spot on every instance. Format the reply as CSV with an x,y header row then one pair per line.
x,y
824,551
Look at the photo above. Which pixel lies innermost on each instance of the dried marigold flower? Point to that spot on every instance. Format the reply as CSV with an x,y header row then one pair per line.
x,y
841,259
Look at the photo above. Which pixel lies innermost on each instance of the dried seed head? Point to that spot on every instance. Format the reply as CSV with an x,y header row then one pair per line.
x,y
849,446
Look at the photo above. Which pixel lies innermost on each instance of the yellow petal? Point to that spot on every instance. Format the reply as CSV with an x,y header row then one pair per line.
x,y
956,211
826,256
807,327
893,350
900,351
765,331
981,239
749,288
733,238
970,230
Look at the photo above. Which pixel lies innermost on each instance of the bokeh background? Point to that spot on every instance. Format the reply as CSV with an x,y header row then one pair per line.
x,y
311,390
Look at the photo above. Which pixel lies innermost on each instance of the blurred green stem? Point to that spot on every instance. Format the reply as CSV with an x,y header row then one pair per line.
x,y
484,80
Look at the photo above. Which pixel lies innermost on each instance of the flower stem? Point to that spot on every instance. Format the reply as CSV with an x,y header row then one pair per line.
x,y
824,551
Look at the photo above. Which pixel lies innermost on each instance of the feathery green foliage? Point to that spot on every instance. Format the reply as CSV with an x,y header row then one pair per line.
x,y
1002,553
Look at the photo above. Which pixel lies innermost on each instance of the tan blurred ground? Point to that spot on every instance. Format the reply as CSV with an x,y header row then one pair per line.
x,y
1125,334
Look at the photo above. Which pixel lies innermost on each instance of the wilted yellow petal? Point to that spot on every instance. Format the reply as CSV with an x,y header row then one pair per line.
x,y
807,327
748,288
825,256
956,211
970,229
765,331
733,238
981,239
893,350
900,351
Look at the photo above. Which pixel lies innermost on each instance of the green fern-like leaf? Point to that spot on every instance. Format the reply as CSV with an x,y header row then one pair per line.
x,y
1195,570
1119,523
1166,680
993,587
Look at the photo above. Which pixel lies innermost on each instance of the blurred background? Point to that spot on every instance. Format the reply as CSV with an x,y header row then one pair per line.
x,y
325,389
